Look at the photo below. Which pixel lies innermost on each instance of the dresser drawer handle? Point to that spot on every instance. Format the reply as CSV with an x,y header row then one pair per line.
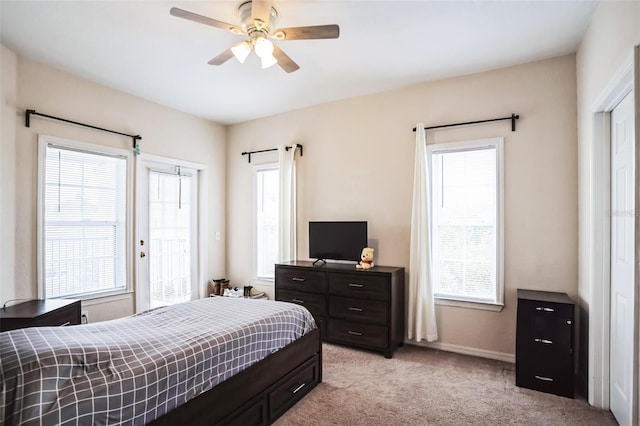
x,y
65,324
298,301
355,285
351,308
298,388
355,333
545,379
545,309
548,342
300,280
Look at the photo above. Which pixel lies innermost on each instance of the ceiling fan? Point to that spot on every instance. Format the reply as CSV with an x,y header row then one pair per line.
x,y
257,22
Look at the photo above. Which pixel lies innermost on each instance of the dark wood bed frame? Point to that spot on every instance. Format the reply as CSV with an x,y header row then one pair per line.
x,y
260,394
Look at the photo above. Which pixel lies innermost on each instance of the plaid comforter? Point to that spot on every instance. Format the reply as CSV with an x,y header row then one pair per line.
x,y
135,369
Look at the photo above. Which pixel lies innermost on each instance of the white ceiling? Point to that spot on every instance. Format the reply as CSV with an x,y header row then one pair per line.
x,y
139,48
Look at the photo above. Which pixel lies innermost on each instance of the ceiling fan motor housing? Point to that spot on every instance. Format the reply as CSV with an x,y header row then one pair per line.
x,y
253,25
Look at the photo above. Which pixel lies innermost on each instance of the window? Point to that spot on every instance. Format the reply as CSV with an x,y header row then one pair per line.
x,y
466,195
83,219
266,214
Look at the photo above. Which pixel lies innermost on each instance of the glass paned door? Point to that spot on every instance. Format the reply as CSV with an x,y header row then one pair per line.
x,y
168,245
170,275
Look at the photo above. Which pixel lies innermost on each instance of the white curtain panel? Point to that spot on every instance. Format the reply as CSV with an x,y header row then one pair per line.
x,y
422,313
287,208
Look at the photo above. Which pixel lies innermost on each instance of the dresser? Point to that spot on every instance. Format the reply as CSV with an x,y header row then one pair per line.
x,y
544,342
364,309
40,313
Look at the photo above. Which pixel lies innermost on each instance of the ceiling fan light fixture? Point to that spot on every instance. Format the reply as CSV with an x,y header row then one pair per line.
x,y
268,61
264,47
264,50
241,51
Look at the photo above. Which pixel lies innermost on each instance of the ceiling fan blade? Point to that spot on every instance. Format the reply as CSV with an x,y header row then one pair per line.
x,y
221,58
261,10
285,62
307,33
180,13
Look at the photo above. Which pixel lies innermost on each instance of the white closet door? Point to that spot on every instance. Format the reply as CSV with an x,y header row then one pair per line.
x,y
622,349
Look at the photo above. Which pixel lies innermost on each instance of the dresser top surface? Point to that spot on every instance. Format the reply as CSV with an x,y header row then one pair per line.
x,y
32,308
339,267
544,296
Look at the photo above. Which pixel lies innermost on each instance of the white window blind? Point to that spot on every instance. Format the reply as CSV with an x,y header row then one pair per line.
x,y
84,205
266,221
465,223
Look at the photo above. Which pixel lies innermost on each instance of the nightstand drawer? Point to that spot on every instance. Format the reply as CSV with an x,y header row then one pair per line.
x,y
374,336
544,309
359,285
545,372
549,333
301,279
370,311
61,317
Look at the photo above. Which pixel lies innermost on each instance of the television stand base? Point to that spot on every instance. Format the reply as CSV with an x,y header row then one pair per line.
x,y
324,262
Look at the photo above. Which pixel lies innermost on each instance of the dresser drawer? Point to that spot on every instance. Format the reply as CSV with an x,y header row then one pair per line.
x,y
301,279
293,387
359,285
315,303
371,311
374,336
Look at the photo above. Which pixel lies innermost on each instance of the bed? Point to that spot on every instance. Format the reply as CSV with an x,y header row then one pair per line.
x,y
211,361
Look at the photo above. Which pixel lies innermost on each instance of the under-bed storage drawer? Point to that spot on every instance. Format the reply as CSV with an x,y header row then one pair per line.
x,y
293,387
253,413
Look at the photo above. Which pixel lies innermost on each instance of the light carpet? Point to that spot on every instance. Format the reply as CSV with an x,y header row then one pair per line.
x,y
422,386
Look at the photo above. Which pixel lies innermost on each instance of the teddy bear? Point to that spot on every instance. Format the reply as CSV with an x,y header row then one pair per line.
x,y
366,257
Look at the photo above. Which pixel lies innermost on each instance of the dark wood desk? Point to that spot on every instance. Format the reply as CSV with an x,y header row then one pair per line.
x,y
40,313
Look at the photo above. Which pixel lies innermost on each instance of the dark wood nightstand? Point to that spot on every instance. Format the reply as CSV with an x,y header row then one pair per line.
x,y
544,342
40,313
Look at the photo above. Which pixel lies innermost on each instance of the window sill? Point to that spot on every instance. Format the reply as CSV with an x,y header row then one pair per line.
x,y
95,299
484,306
269,282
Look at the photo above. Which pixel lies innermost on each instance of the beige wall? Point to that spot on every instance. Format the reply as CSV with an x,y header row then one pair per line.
x,y
8,91
607,45
358,164
164,131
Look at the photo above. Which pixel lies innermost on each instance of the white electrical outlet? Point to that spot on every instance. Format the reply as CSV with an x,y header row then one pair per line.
x,y
84,317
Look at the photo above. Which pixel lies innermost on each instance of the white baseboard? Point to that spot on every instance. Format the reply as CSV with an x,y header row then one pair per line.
x,y
482,353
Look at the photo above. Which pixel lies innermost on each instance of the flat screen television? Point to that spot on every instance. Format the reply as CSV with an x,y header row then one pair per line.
x,y
337,240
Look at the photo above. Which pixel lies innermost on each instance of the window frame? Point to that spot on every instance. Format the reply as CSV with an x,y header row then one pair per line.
x,y
270,166
43,142
498,143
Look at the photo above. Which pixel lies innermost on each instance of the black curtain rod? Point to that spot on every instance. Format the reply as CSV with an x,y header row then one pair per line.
x,y
30,112
272,149
513,119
